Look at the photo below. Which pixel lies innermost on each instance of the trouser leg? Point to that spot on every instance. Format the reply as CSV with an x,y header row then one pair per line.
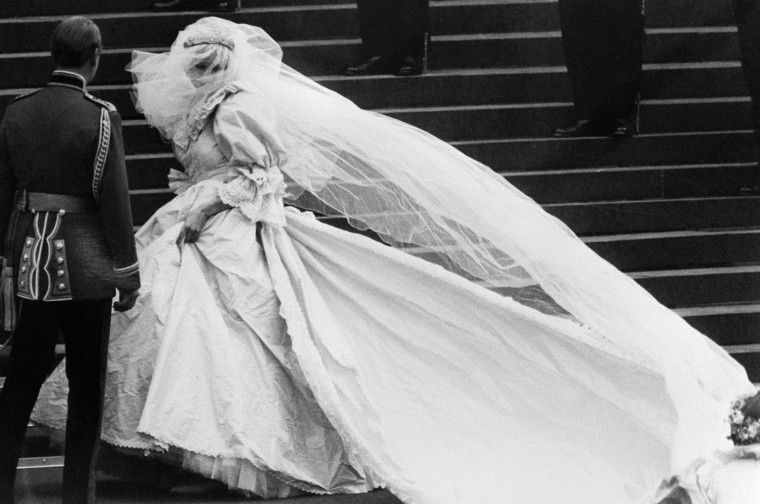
x,y
30,362
374,26
602,42
86,334
411,21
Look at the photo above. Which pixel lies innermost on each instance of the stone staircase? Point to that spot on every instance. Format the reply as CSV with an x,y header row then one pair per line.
x,y
664,206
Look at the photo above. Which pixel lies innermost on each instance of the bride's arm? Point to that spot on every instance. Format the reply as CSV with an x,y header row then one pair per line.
x,y
245,129
196,219
245,125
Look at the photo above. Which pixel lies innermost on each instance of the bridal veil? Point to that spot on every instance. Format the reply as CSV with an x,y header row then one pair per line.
x,y
417,192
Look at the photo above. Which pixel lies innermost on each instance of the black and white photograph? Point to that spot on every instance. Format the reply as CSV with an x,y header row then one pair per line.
x,y
380,251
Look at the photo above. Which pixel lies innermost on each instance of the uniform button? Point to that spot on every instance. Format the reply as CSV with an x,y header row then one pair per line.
x,y
59,260
23,269
21,283
59,246
61,286
25,257
28,242
61,273
61,212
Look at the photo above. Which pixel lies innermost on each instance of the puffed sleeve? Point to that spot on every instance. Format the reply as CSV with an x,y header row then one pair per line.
x,y
245,125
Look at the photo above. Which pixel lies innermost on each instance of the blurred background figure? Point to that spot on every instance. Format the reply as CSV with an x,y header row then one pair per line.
x,y
748,23
394,37
603,44
210,5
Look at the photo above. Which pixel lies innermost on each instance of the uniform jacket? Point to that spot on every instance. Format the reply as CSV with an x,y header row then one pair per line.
x,y
61,140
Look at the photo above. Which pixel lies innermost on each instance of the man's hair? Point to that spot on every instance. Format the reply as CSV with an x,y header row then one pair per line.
x,y
74,42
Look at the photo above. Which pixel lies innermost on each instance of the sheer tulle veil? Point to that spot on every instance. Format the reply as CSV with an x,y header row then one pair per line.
x,y
415,190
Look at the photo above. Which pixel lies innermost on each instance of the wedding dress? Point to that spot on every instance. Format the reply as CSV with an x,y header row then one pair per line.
x,y
280,353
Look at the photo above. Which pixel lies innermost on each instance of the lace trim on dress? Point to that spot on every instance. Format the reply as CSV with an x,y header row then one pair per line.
x,y
257,193
199,116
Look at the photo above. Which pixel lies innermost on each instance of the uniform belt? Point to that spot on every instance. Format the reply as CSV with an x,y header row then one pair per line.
x,y
45,202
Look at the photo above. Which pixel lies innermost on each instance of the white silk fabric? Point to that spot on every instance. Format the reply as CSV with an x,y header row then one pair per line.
x,y
308,357
326,361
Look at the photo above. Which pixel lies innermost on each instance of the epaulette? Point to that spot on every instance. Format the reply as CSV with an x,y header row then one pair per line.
x,y
26,95
108,105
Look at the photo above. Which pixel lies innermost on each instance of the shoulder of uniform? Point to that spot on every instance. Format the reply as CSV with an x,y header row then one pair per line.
x,y
102,103
25,95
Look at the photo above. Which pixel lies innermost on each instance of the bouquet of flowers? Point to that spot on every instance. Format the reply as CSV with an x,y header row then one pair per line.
x,y
745,428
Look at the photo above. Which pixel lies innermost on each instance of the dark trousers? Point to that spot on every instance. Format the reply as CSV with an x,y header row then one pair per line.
x,y
85,325
603,45
748,24
393,28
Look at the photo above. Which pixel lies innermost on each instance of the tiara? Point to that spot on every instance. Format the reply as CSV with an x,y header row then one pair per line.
x,y
209,39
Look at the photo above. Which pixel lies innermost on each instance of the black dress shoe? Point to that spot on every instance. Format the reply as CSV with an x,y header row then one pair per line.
x,y
372,66
223,6
210,5
623,129
170,5
409,66
582,128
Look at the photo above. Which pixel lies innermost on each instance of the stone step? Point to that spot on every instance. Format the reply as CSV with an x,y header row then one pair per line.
x,y
142,29
751,362
327,57
306,22
496,86
495,122
679,249
540,13
697,287
633,183
647,216
662,251
545,153
700,150
149,172
483,122
700,287
589,219
509,13
731,326
611,217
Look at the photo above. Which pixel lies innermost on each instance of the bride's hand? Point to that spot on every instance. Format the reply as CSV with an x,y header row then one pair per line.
x,y
191,230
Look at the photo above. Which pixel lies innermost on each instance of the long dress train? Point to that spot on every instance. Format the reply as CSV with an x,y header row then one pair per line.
x,y
319,358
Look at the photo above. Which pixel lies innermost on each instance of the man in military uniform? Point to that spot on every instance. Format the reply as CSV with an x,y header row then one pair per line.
x,y
603,45
65,212
394,36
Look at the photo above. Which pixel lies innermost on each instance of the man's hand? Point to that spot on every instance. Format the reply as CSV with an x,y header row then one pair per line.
x,y
127,299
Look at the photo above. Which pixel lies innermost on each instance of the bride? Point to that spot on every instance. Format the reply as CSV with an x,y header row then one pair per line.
x,y
279,354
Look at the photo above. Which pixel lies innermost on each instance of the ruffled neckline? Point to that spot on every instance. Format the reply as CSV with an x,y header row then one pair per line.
x,y
201,111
